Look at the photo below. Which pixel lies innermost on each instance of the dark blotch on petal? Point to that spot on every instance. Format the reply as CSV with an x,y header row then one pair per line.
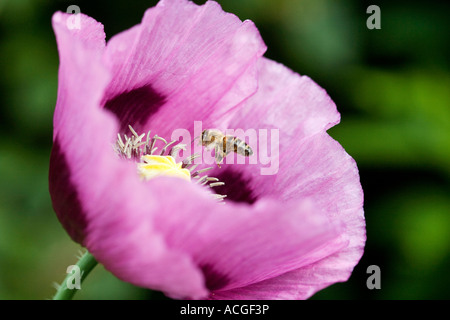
x,y
236,186
135,107
64,195
214,279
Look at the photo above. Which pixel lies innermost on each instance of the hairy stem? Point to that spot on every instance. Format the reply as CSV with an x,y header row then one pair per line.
x,y
83,267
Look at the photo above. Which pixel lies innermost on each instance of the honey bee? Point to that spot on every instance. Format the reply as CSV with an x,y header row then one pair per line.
x,y
223,144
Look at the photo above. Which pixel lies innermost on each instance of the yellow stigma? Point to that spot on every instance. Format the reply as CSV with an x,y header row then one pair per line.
x,y
154,166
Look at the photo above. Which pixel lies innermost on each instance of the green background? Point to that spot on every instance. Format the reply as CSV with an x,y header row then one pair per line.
x,y
390,85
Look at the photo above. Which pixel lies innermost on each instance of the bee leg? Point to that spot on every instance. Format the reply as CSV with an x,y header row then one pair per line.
x,y
218,155
199,141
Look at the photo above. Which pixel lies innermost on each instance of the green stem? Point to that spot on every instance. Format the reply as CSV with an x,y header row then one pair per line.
x,y
86,263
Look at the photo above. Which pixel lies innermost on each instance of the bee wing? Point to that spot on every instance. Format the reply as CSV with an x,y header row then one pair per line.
x,y
210,146
229,145
219,155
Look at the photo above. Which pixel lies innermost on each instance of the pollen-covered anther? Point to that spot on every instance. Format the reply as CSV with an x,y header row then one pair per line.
x,y
151,165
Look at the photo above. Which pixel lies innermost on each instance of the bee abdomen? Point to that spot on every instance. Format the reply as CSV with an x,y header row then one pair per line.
x,y
242,148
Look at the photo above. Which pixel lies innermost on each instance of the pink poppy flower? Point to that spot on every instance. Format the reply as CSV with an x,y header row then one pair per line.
x,y
284,235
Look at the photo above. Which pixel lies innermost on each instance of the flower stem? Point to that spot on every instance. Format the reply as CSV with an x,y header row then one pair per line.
x,y
86,263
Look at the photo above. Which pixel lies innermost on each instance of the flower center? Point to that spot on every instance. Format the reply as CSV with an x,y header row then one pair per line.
x,y
152,164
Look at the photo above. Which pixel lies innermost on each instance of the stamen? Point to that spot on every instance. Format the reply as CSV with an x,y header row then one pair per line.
x,y
193,167
147,148
220,196
165,147
200,180
125,149
175,149
189,160
140,137
137,145
201,171
215,184
156,137
119,141
132,131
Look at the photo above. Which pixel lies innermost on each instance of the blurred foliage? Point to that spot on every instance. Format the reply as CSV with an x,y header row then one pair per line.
x,y
390,85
